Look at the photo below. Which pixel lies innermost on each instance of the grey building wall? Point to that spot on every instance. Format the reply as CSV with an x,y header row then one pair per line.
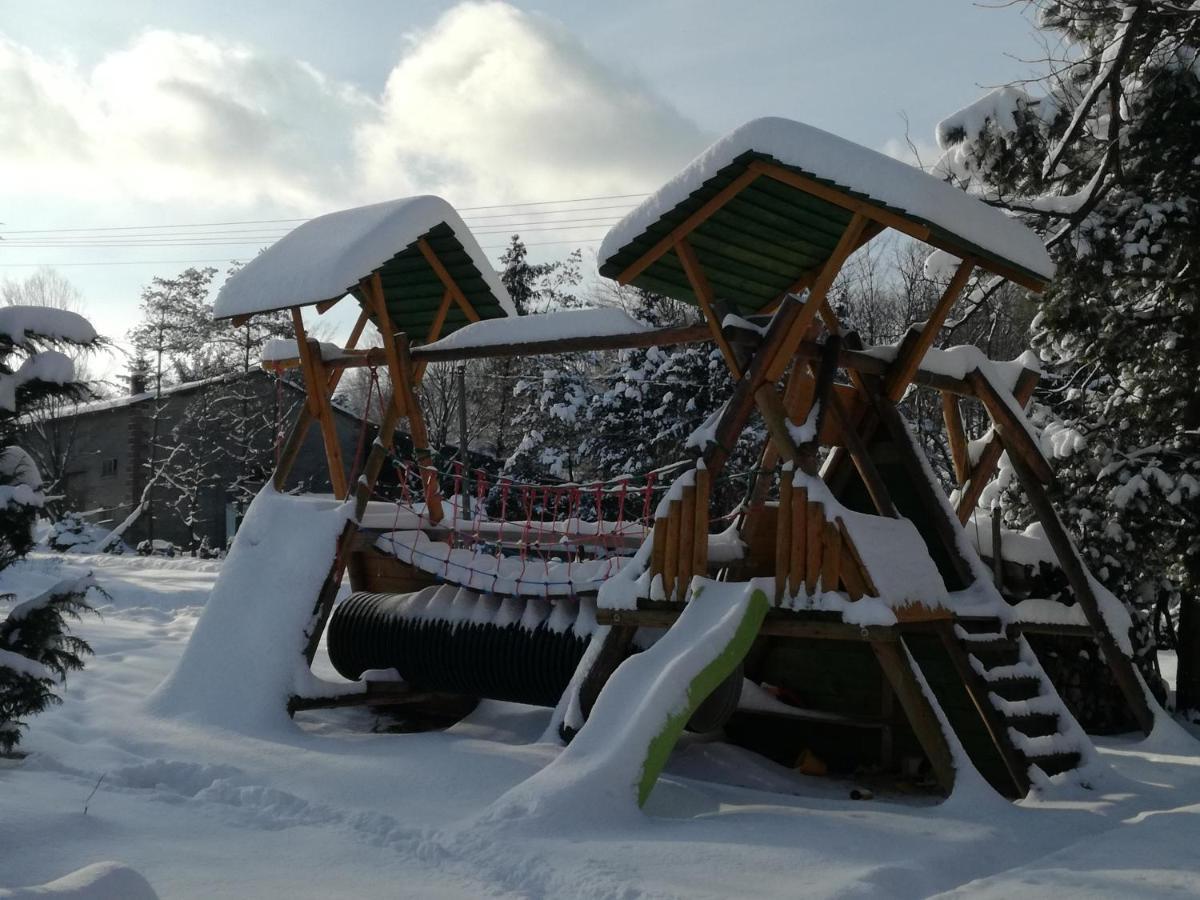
x,y
109,462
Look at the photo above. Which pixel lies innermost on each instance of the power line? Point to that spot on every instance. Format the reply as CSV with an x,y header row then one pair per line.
x,y
284,221
225,259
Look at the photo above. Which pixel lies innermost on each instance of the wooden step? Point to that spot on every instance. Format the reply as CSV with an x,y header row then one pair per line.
x,y
1054,763
996,652
1034,724
1024,688
979,624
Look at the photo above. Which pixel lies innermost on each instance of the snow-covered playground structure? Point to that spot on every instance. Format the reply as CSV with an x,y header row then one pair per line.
x,y
841,608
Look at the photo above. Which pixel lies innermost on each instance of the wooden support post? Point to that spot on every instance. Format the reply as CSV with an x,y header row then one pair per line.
x,y
372,287
700,526
877,488
671,560
896,664
416,427
1079,578
997,547
317,386
957,436
799,545
814,531
783,536
687,538
704,295
447,281
982,471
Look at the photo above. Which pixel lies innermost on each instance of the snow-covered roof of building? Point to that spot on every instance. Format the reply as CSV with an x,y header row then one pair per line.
x,y
770,232
325,258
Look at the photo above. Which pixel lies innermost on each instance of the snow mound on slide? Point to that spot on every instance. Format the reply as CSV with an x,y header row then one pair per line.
x,y
99,881
246,655
600,770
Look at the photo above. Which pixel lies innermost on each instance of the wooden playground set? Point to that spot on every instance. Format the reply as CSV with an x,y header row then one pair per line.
x,y
888,641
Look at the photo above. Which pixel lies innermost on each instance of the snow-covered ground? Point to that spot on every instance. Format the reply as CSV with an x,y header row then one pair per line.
x,y
330,808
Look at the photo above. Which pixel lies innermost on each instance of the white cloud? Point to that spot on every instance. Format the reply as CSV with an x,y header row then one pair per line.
x,y
496,103
175,117
491,103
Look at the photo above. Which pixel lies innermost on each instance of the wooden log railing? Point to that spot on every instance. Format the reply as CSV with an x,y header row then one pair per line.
x,y
680,539
814,552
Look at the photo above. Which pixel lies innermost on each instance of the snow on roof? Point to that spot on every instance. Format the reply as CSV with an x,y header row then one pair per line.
x,y
326,256
854,167
568,323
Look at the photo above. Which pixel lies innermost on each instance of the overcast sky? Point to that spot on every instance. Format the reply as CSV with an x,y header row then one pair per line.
x,y
134,113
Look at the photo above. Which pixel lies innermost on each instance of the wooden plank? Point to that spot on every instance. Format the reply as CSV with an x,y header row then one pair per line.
x,y
981,473
416,428
687,538
658,549
447,280
1078,577
687,226
316,386
798,550
326,305
814,531
877,488
700,525
671,560
895,663
957,436
704,295
1013,434
908,359
831,556
783,537
770,406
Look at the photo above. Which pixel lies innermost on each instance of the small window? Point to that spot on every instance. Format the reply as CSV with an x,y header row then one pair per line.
x,y
108,468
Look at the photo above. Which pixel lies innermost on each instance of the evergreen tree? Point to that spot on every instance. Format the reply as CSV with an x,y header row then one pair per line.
x,y
36,649
1103,161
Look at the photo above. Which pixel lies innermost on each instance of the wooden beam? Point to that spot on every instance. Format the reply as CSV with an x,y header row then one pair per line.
x,y
700,525
957,436
805,281
326,305
897,667
877,488
317,386
373,288
687,226
416,428
687,539
913,351
1079,578
704,295
981,472
784,538
1015,437
659,337
447,281
239,321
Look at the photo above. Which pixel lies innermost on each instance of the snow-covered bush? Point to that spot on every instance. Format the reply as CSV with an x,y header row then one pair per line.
x,y
75,534
36,650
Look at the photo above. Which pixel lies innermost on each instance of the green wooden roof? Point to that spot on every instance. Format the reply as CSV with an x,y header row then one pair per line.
x,y
414,292
762,240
